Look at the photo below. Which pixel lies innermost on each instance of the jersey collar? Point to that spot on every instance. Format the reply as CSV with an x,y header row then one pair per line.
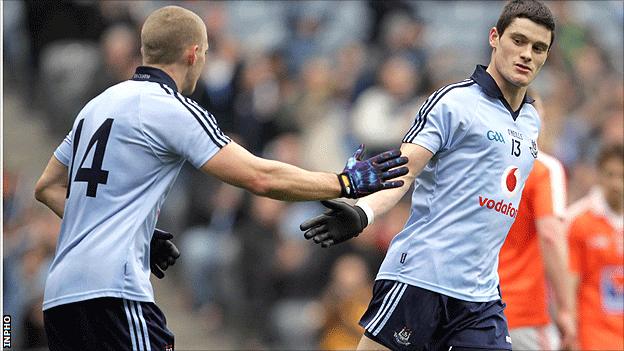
x,y
153,74
489,86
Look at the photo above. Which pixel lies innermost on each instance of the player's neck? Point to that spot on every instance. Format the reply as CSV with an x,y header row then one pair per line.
x,y
177,74
513,94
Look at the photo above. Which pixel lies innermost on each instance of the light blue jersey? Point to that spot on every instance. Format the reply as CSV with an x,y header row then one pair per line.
x,y
124,152
466,198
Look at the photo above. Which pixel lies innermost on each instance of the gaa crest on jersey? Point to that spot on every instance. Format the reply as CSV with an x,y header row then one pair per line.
x,y
510,181
533,148
402,337
495,136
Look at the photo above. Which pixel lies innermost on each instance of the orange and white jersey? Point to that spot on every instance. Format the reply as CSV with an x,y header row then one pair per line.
x,y
520,268
596,255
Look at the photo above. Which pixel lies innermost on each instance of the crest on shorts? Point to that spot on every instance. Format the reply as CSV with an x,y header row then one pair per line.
x,y
403,336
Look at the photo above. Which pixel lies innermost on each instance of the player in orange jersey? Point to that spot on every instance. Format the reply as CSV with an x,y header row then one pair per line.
x,y
596,256
523,269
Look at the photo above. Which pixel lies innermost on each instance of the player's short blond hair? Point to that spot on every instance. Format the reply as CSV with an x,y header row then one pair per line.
x,y
167,32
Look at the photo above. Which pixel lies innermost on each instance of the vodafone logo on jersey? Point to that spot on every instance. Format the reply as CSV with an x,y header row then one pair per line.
x,y
510,181
499,206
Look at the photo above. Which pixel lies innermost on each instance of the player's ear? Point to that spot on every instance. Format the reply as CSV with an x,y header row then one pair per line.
x,y
493,37
191,55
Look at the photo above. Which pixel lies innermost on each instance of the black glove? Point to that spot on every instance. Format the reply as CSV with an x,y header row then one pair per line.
x,y
340,223
163,253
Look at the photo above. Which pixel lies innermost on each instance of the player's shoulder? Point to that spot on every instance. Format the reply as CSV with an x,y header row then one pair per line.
x,y
580,214
161,99
452,97
457,91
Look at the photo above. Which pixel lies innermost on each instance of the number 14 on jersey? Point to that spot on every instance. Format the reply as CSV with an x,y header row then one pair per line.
x,y
94,175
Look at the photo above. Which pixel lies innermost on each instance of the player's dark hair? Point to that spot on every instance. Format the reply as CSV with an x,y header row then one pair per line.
x,y
529,9
610,151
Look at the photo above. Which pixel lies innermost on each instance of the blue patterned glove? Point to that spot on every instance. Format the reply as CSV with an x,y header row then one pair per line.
x,y
363,177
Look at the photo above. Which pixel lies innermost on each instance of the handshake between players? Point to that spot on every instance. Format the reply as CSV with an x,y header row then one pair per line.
x,y
359,178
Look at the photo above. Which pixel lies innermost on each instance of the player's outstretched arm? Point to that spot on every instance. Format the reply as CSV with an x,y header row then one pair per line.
x,y
51,187
237,166
343,221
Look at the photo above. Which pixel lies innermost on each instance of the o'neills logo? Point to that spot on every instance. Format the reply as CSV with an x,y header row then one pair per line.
x,y
141,76
498,206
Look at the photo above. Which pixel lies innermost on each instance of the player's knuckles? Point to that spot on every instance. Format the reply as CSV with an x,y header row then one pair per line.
x,y
396,162
311,232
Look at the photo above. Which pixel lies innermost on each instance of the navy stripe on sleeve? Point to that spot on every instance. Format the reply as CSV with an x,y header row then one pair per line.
x,y
421,119
214,139
209,118
214,133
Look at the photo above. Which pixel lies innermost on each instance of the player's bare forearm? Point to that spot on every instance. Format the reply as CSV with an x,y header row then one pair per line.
x,y
286,182
381,202
51,188
552,243
237,166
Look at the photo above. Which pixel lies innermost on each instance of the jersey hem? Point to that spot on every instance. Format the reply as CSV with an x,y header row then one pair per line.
x,y
438,289
207,158
61,157
63,300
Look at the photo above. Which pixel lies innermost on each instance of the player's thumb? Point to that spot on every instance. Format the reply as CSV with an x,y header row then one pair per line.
x,y
359,153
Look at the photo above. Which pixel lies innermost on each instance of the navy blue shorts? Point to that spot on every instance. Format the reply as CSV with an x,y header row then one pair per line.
x,y
107,324
406,317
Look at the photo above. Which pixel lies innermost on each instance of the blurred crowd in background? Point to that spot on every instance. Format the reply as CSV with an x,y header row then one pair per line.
x,y
301,82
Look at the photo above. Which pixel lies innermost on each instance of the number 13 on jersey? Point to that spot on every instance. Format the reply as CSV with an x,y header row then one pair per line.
x,y
94,175
515,147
